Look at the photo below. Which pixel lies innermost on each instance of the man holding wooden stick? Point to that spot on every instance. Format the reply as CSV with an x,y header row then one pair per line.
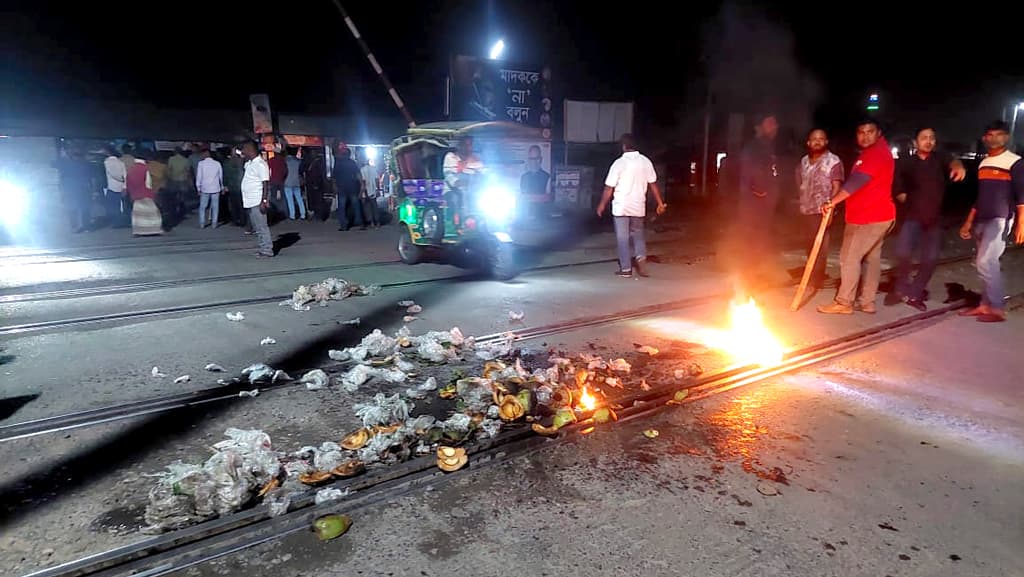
x,y
818,178
870,213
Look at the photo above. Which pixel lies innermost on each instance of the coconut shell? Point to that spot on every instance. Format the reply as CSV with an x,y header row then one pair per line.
x,y
356,440
349,468
510,408
315,478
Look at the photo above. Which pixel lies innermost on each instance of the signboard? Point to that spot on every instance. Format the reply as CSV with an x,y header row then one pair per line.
x,y
261,120
301,140
490,90
591,122
572,187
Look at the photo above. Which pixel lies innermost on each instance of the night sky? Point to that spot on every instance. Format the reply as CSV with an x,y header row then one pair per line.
x,y
812,62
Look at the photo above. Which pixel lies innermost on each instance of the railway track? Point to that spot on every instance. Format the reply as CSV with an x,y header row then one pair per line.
x,y
188,547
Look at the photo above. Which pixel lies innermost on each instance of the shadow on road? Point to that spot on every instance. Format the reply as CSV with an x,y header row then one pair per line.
x,y
286,240
11,405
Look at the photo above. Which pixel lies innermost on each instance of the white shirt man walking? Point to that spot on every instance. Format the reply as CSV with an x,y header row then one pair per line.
x,y
256,196
629,178
210,184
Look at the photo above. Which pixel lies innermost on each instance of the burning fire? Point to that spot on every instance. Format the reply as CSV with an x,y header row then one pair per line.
x,y
748,340
587,401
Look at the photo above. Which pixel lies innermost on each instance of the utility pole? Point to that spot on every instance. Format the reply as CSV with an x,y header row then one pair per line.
x,y
376,65
707,143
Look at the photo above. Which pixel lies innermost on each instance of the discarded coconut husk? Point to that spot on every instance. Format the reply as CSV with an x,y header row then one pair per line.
x,y
542,430
451,459
349,468
492,369
563,417
448,392
510,408
270,486
382,430
604,414
315,478
357,440
331,526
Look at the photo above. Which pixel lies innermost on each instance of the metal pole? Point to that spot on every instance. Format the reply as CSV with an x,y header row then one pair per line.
x,y
1013,126
376,65
707,139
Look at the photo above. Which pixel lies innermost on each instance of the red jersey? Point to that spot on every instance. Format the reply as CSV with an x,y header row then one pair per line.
x,y
873,202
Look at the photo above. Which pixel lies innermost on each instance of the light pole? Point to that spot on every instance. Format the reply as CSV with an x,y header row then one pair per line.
x,y
1013,123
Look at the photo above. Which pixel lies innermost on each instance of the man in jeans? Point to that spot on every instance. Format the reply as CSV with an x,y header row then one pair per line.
x,y
626,187
870,213
256,196
1000,200
210,184
920,184
293,187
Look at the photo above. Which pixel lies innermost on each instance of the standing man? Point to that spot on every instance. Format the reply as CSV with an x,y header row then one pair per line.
x,y
818,178
293,187
460,167
629,178
870,214
348,185
1000,200
314,177
233,183
178,176
256,196
758,198
210,184
76,185
920,184
370,181
278,175
114,193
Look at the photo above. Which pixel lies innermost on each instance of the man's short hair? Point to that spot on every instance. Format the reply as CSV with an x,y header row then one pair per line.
x,y
997,126
817,129
628,141
251,143
872,121
917,133
532,148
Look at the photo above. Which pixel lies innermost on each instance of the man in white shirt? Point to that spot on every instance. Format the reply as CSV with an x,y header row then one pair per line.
x,y
629,178
370,180
256,196
210,184
114,193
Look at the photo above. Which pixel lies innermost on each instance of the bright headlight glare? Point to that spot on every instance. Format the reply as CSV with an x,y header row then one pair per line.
x,y
15,202
498,202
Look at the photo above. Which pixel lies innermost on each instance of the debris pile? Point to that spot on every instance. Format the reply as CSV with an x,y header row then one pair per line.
x,y
331,289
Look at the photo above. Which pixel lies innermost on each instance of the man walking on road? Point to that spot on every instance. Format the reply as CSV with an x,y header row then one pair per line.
x,y
210,184
920,183
348,185
870,214
1000,201
818,177
256,196
629,178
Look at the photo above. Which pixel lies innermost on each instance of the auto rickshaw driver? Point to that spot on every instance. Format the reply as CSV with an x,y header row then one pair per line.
x,y
460,167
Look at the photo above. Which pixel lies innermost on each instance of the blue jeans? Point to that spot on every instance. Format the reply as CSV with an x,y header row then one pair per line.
x,y
915,236
293,194
991,237
211,201
630,228
344,201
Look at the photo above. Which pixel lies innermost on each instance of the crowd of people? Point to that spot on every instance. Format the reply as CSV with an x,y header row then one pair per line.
x,y
153,192
871,190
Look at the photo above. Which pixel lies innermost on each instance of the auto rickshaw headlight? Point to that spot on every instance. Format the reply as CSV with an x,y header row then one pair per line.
x,y
498,203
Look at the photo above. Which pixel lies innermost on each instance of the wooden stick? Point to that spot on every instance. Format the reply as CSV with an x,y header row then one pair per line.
x,y
811,259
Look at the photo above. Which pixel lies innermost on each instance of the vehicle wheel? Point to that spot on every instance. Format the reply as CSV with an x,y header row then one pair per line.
x,y
408,251
502,262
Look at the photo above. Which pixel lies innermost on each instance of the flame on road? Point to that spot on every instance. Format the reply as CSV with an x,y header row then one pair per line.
x,y
587,401
748,340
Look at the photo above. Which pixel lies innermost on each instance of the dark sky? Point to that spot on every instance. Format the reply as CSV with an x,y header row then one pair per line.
x,y
815,60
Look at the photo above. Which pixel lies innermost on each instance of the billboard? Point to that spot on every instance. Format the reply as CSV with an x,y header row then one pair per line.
x,y
261,120
591,121
491,90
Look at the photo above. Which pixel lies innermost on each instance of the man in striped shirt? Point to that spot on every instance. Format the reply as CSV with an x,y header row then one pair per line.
x,y
1000,202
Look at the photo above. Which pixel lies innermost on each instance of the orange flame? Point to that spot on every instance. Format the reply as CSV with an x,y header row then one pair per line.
x,y
587,401
748,340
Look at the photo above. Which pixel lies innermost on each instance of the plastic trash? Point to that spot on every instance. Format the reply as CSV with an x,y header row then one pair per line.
x,y
404,365
516,316
257,372
647,350
433,351
351,322
214,368
329,494
353,379
620,366
156,372
278,501
377,344
267,341
383,410
406,304
236,316
490,427
414,309
182,379
409,319
340,356
253,393
280,377
315,379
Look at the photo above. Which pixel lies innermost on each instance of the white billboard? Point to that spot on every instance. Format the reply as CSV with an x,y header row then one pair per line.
x,y
591,121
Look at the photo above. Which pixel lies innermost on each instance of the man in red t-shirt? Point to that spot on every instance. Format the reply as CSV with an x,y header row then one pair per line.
x,y
870,213
278,173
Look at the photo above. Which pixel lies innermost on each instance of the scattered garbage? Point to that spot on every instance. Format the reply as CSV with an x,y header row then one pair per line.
x,y
651,433
331,526
351,322
414,309
767,490
253,393
182,379
214,368
156,372
620,366
679,397
267,341
644,386
421,391
516,316
406,304
451,459
223,382
695,370
329,494
383,410
280,377
257,372
315,379
409,318
324,291
647,350
236,316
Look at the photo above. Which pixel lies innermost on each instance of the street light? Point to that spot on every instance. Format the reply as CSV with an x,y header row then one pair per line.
x,y
1013,124
497,49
